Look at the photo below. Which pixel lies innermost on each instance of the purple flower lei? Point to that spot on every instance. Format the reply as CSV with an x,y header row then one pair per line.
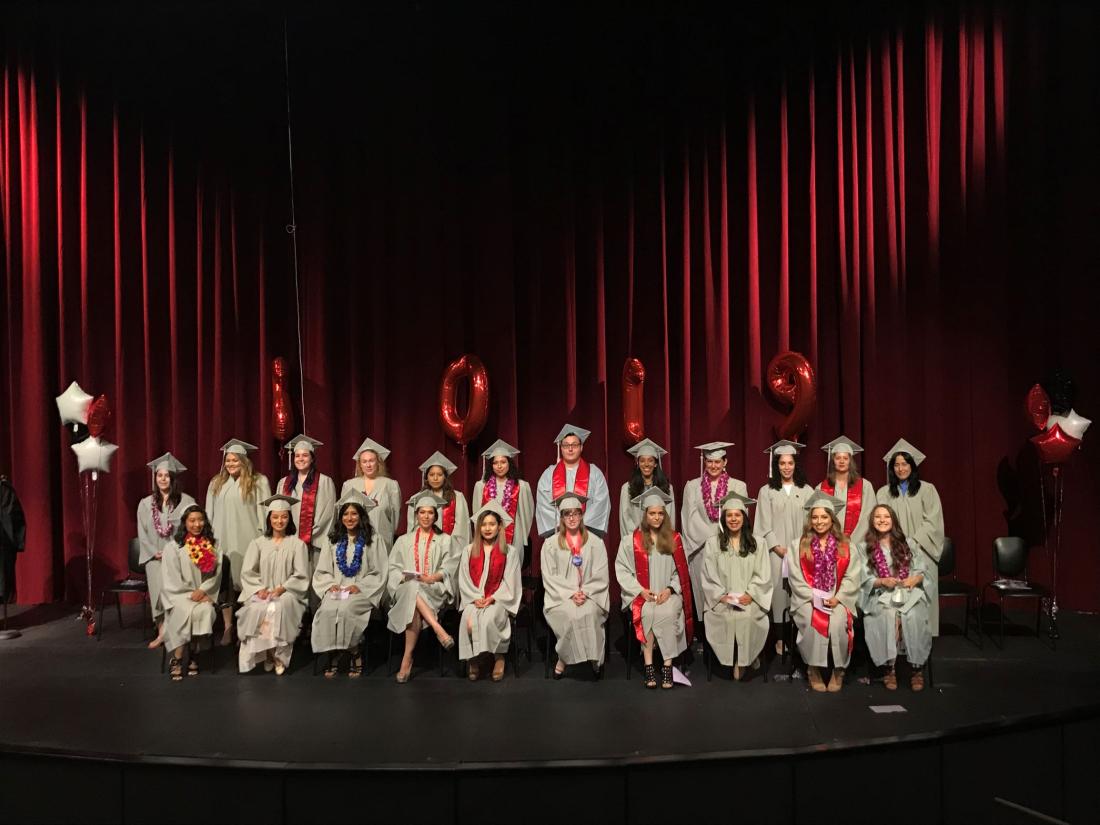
x,y
719,493
824,563
491,488
882,569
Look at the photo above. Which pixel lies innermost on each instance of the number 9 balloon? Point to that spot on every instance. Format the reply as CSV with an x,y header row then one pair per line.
x,y
791,379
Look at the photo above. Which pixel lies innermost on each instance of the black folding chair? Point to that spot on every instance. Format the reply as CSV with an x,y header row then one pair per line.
x,y
952,588
1010,563
133,583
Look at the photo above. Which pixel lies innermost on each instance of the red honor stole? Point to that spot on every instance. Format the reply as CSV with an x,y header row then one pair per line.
x,y
641,571
580,483
427,551
449,517
852,506
820,620
309,506
510,503
497,560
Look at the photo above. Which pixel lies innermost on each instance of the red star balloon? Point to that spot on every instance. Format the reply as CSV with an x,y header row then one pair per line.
x,y
1054,446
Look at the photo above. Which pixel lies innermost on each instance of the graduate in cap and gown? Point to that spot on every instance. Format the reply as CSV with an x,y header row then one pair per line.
x,y
158,517
13,536
315,493
454,518
500,482
349,582
237,516
191,572
700,513
843,481
737,588
575,579
893,599
652,570
422,579
825,578
648,473
572,474
920,515
372,479
779,516
274,590
490,590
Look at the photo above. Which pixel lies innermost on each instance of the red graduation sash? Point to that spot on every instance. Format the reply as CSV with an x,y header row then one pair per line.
x,y
449,517
641,570
497,560
852,506
580,483
309,505
820,619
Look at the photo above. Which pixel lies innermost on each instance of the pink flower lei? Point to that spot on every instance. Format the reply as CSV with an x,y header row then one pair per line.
x,y
882,569
719,493
511,490
163,528
824,563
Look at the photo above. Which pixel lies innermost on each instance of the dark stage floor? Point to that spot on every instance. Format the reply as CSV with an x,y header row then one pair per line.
x,y
62,692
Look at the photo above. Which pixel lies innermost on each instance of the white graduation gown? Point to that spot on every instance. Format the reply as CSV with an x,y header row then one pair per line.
x,y
696,527
460,534
525,509
185,619
236,521
921,519
867,504
580,631
880,614
664,621
487,629
812,646
728,627
596,512
780,519
384,517
339,623
149,544
441,558
630,515
272,624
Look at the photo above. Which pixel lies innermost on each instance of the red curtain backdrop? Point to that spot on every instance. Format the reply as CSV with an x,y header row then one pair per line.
x,y
905,197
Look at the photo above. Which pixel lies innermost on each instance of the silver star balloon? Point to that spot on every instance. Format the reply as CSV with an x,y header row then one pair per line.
x,y
94,454
1071,423
73,405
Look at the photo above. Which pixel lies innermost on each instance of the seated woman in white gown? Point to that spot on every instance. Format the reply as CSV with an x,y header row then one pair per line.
x,y
490,589
737,588
575,580
274,591
824,582
191,567
421,581
894,601
652,570
350,581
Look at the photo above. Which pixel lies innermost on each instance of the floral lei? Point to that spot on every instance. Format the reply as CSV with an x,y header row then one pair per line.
x,y
824,563
352,569
163,528
882,569
719,494
511,492
202,554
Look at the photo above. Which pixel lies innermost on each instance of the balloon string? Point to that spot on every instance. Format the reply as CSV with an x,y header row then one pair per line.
x,y
292,227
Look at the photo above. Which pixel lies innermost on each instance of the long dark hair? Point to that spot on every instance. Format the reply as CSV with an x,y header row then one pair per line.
x,y
637,482
775,481
853,473
894,481
292,479
207,528
513,470
174,493
290,528
748,541
446,492
339,532
900,553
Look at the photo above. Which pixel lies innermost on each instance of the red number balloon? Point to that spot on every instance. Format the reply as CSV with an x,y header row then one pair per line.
x,y
633,401
99,413
1038,406
282,416
791,380
464,429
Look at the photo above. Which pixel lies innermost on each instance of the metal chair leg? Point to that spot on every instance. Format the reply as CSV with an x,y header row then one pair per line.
x,y
99,622
118,607
1001,606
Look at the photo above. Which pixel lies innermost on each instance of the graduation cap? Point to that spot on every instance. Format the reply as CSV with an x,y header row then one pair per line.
x,y
500,447
736,501
841,444
568,430
570,501
648,447
781,447
426,499
165,462
437,459
493,507
300,442
653,497
712,449
374,447
356,496
903,446
279,502
823,499
236,445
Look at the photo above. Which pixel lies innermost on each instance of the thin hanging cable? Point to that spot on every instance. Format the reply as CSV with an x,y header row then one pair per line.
x,y
292,227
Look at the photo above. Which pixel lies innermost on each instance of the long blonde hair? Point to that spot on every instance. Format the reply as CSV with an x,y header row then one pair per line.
x,y
808,531
382,471
665,544
247,481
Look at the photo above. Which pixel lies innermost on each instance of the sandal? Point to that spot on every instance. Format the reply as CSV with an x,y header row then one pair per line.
x,y
666,676
559,670
192,668
890,679
175,669
650,676
837,681
498,669
916,681
816,682
331,670
403,676
473,670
